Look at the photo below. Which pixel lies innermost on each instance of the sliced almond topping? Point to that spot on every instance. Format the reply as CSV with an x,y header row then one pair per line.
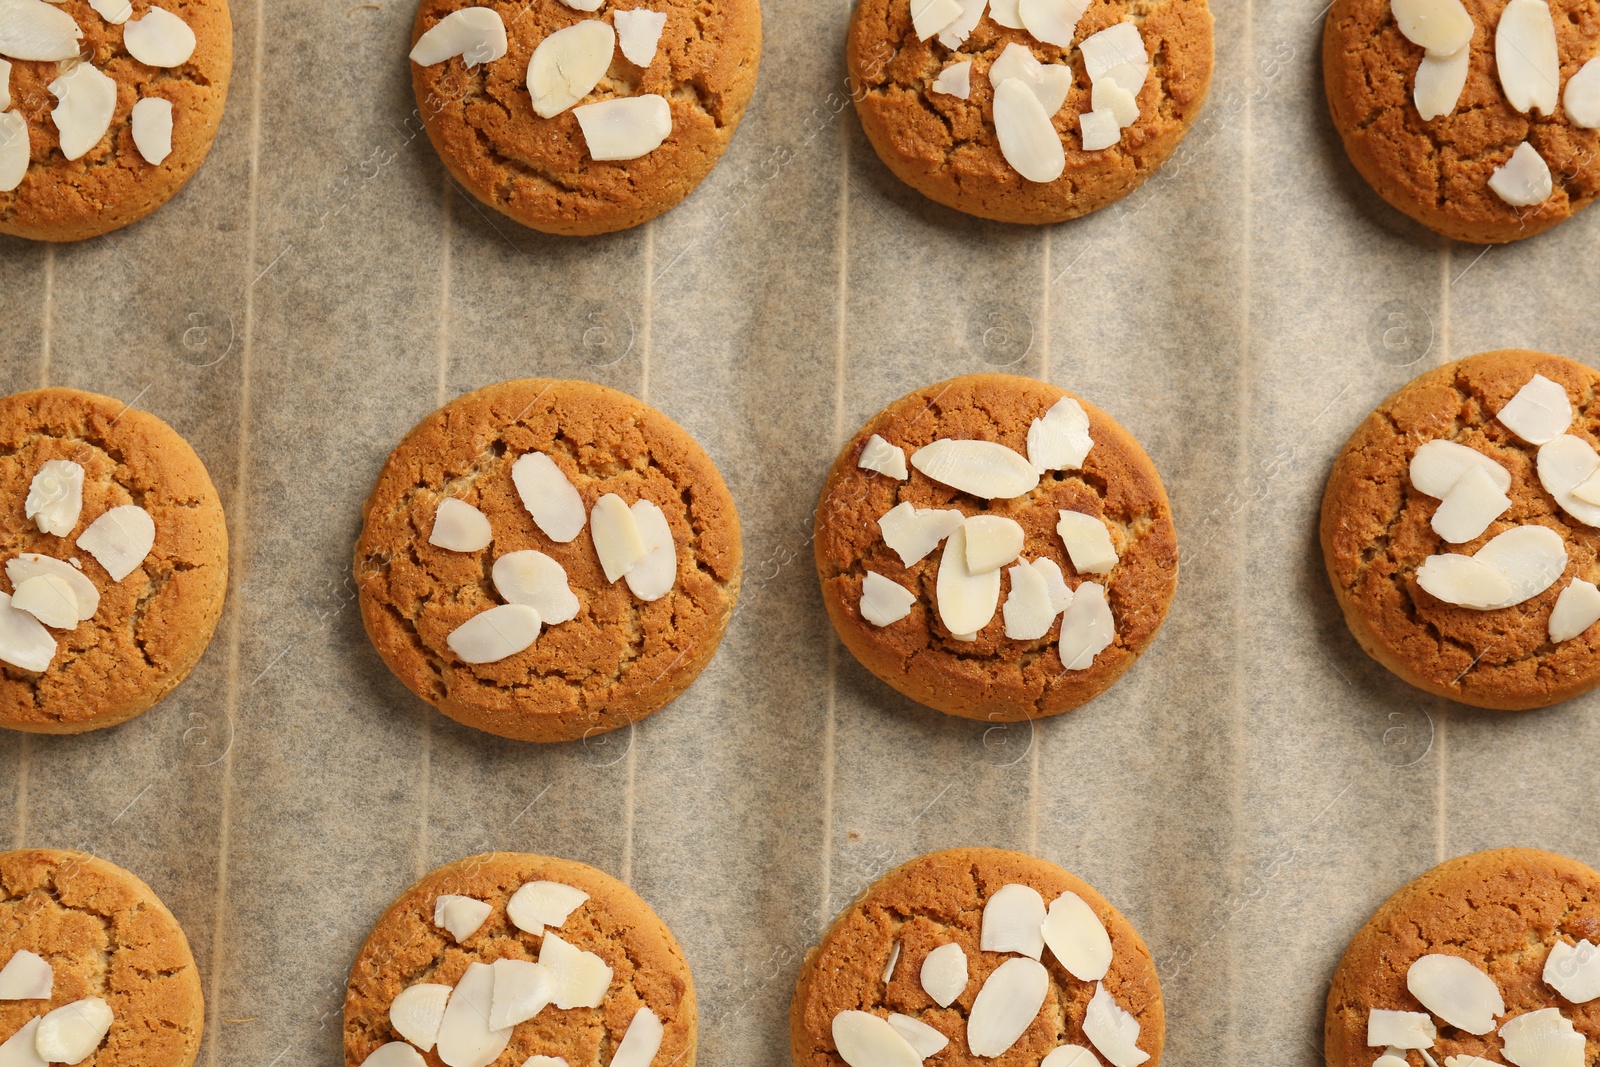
x,y
1582,98
1437,466
1087,627
1113,46
1070,1056
394,1054
545,1061
568,64
1440,80
1449,1061
1543,1038
31,565
1574,970
1099,130
880,456
617,540
1004,13
993,541
1565,464
1442,27
1050,82
1532,559
1527,57
955,35
1539,413
944,974
1396,1057
1577,609
26,976
1471,505
1012,921
460,527
521,991
24,642
1028,138
496,634
966,601
1060,440
461,916
954,80
550,498
1112,1030
625,128
1464,581
1401,1029
33,29
465,1039
864,1040
5,85
55,497
1052,21
1131,76
152,129
1457,991
540,904
1109,96
1524,180
888,968
48,598
87,100
579,979
1060,595
534,579
913,532
928,17
984,469
120,539
1028,611
417,1012
884,601
115,12
919,1035
16,151
72,1032
584,5
476,34
1078,938
641,1042
1088,542
657,571
160,39
20,1050
1006,1005
1588,490
639,34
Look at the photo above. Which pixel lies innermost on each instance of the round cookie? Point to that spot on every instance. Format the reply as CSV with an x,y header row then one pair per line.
x,y
947,148
1377,532
621,657
539,170
104,935
1502,911
150,626
994,678
871,960
1437,171
112,184
647,969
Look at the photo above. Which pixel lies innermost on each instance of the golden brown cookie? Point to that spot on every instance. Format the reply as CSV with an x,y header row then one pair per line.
x,y
539,171
1437,171
648,975
1518,917
622,656
149,627
875,959
995,677
105,936
946,147
1377,531
112,184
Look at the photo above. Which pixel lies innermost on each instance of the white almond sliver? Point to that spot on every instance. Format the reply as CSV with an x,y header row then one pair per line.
x,y
1113,46
394,1054
1442,27
1457,991
1028,611
120,539
1532,558
160,39
1588,490
1006,1005
584,5
152,129
1539,413
954,80
465,1039
1396,1057
1527,57
1088,542
1577,609
87,101
545,1061
1078,938
19,1049
1440,80
880,456
461,916
1013,920
654,575
1464,581
928,17
966,601
568,64
1565,464
993,541
540,904
24,642
625,128
549,497
417,1011
1060,595
1131,76
33,29
1438,465
476,34
1052,21
955,35
72,1032
50,599
55,497
16,151
1060,440
1028,138
579,979
1050,82
984,469
639,34
521,991
26,976
864,1040
944,974
1400,1029
1582,98
5,84
115,12
460,527
1574,970
1109,96
1004,13
1087,627
1543,1038
1524,180
533,578
1069,1056
912,532
1469,507
496,634
884,601
894,958
617,540
1099,130
641,1041
1449,1061
919,1035
1112,1030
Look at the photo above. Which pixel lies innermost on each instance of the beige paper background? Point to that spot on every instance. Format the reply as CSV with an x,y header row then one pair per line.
x,y
1246,795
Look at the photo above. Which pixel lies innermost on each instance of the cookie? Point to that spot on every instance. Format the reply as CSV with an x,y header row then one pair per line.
x,y
573,964
121,569
1489,955
1106,591
1397,533
926,95
1441,169
543,471
677,98
978,956
122,166
104,968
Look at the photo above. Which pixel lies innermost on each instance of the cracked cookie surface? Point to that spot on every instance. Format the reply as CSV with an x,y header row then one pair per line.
x,y
938,899
538,170
621,658
152,626
994,678
1376,532
648,968
105,934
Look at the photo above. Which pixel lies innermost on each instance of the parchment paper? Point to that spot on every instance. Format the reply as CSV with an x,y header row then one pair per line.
x,y
1246,795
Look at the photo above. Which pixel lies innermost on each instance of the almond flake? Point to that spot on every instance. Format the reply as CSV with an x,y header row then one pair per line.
x,y
465,1039
461,916
579,979
626,127
1050,82
944,974
521,991
1527,57
16,151
966,601
1113,46
1060,440
1060,595
568,64
1440,80
1442,27
50,599
919,1035
496,634
1469,507
24,642
1006,1005
1437,466
1052,21
5,85
1543,1038
1588,490
1577,609
888,968
1087,627
394,1054
1582,98
657,572
617,540
1099,130
1028,610
1539,413
584,5
1464,581
115,12
884,601
1109,96
1400,1029
549,497
1078,938
955,35
476,34
639,34
1070,1056
417,1011
912,532
533,578
1088,542
1524,180
55,497
954,80
1574,970
152,129
30,565
460,527
33,29
26,976
928,17
1112,1030
640,1042
1396,1057
20,1050
1531,557
983,469
540,904
1131,76
1004,13
160,39
545,1061
880,456
1449,1061
1457,991
993,541
1028,138
87,101
1565,465
72,1032
865,1040
1012,921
